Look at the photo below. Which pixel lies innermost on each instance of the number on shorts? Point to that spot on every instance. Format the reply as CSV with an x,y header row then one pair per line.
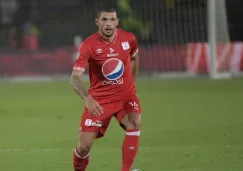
x,y
133,104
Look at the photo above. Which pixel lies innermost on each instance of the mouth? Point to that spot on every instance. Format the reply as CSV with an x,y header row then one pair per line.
x,y
108,29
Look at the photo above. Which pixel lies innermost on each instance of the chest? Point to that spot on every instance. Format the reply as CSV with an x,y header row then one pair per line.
x,y
119,51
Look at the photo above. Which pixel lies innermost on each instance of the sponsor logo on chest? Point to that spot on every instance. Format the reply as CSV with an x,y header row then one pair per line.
x,y
112,53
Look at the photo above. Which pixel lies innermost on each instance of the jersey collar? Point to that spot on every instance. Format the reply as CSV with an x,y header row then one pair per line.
x,y
114,40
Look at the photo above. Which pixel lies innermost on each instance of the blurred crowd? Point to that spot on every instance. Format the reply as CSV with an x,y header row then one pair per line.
x,y
34,24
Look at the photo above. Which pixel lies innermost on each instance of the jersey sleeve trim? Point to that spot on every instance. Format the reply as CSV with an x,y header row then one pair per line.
x,y
135,53
83,58
79,69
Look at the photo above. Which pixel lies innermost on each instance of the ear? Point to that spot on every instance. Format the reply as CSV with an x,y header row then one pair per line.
x,y
96,21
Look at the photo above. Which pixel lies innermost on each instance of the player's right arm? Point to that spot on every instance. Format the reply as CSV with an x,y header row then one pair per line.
x,y
78,71
78,84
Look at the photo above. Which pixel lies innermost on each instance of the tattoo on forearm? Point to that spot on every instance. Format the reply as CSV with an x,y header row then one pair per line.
x,y
78,86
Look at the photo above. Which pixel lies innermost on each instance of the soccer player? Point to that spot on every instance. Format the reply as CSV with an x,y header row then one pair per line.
x,y
112,58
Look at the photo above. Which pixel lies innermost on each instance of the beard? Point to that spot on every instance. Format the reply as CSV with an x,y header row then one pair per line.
x,y
108,32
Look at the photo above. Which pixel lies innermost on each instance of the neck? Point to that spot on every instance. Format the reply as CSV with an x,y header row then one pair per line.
x,y
108,39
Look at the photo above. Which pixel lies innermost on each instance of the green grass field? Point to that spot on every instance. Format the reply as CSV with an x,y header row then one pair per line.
x,y
188,125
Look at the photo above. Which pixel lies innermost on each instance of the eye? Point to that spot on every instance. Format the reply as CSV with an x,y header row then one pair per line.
x,y
104,19
113,19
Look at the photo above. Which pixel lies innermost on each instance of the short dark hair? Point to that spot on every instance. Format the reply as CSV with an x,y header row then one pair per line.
x,y
104,9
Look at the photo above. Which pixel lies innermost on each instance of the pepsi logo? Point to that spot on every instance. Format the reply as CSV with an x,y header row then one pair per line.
x,y
113,69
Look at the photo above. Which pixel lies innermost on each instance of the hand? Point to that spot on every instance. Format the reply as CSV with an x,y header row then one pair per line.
x,y
93,106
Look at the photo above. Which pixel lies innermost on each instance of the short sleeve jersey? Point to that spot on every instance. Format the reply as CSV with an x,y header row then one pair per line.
x,y
109,65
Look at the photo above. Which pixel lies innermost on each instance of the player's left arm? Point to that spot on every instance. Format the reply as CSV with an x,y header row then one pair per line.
x,y
135,66
134,56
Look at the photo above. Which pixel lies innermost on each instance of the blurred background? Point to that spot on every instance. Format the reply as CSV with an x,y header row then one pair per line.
x,y
190,122
40,37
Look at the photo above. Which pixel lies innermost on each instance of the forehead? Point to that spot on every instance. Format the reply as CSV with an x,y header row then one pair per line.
x,y
108,15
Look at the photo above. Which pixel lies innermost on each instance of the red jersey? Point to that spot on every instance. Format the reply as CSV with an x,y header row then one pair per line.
x,y
109,65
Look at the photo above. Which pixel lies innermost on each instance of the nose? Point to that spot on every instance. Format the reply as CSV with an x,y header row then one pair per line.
x,y
108,23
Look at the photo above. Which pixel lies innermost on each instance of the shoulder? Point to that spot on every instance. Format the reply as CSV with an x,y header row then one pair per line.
x,y
88,43
126,34
91,39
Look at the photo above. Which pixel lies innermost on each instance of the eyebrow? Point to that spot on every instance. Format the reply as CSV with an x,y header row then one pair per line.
x,y
108,18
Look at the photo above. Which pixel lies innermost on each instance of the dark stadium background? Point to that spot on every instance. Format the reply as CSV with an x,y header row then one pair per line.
x,y
189,123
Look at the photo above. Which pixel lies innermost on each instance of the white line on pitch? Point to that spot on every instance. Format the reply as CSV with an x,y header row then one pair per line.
x,y
30,150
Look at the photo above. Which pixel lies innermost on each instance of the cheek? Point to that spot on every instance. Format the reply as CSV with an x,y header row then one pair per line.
x,y
101,25
115,24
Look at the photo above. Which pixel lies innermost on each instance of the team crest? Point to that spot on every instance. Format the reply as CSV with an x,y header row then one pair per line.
x,y
125,45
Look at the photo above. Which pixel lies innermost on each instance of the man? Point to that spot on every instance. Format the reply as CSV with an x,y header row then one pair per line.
x,y
112,55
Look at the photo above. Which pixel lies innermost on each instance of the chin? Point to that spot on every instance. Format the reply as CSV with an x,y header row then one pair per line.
x,y
108,35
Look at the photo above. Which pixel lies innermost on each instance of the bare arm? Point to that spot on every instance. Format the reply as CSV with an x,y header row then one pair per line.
x,y
134,66
78,85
